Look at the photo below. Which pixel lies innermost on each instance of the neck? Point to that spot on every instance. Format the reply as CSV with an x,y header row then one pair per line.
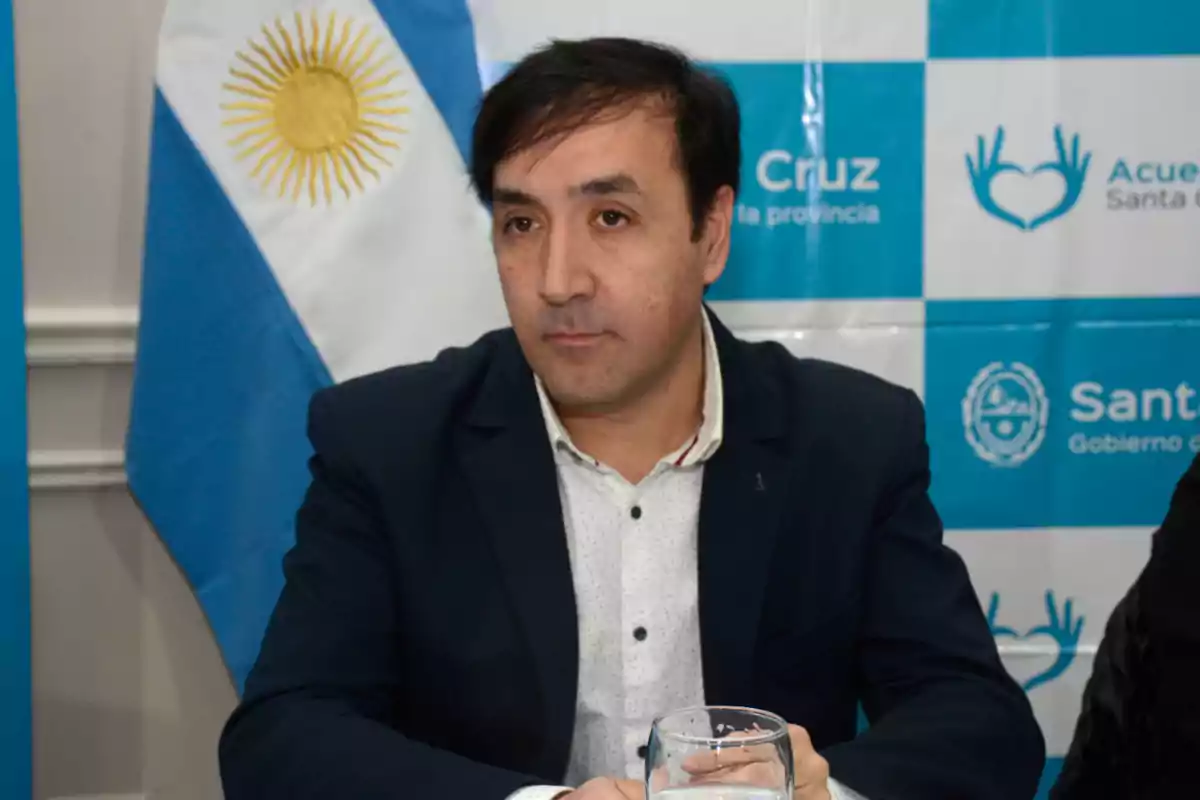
x,y
660,420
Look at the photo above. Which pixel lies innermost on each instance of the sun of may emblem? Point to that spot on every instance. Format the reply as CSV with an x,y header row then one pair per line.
x,y
315,106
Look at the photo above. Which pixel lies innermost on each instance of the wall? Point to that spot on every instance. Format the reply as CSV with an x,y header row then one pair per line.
x,y
129,691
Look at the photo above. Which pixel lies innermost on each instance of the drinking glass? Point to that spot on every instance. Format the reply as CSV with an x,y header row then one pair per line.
x,y
719,753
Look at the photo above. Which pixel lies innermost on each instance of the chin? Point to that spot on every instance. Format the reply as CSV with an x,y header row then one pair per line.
x,y
573,394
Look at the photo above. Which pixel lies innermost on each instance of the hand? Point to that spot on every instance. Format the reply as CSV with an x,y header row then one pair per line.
x,y
812,771
757,766
607,789
1073,170
1065,630
984,169
993,610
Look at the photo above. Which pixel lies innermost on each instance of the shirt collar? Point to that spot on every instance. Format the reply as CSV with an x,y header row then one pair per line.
x,y
696,450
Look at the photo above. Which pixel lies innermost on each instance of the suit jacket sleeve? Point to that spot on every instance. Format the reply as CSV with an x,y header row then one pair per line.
x,y
946,720
319,714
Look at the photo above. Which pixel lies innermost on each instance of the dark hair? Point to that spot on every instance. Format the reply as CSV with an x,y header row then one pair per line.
x,y
568,84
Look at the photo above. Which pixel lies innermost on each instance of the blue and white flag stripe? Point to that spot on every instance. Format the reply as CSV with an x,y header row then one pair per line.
x,y
254,297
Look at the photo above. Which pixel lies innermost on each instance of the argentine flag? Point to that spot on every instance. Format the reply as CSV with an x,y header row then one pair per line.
x,y
310,220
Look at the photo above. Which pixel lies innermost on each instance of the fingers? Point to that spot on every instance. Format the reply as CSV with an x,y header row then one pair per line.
x,y
802,745
631,790
726,758
753,765
811,771
1060,144
765,775
1051,608
998,145
759,765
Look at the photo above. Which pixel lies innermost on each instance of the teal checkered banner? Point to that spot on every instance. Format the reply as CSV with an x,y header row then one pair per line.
x,y
996,204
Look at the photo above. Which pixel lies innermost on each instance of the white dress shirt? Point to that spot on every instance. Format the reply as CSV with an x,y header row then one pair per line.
x,y
633,564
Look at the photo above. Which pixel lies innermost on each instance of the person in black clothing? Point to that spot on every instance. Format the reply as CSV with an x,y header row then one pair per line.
x,y
1138,734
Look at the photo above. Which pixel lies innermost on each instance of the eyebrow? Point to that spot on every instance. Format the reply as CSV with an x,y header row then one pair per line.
x,y
513,197
617,183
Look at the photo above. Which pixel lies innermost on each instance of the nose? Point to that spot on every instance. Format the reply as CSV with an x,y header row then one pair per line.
x,y
566,275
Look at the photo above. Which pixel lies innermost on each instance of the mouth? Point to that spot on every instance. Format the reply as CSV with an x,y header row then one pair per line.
x,y
573,339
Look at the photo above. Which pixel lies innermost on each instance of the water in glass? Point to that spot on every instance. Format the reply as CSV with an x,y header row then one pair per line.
x,y
719,753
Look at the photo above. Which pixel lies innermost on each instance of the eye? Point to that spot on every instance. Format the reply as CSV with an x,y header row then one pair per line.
x,y
611,218
518,225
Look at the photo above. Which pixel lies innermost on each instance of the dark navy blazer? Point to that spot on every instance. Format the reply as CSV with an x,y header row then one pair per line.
x,y
425,643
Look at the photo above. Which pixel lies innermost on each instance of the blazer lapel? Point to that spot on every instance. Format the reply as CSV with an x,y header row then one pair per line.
x,y
508,461
745,484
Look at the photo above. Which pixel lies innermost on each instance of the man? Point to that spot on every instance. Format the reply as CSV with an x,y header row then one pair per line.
x,y
512,558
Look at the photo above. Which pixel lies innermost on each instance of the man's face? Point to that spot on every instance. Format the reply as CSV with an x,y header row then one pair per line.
x,y
601,276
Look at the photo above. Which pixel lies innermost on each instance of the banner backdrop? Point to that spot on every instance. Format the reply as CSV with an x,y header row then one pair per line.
x,y
15,709
996,204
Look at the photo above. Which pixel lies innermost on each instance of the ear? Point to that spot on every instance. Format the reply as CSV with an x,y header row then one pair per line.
x,y
715,237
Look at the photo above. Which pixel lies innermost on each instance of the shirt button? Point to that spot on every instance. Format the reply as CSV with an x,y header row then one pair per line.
x,y
636,512
639,633
642,752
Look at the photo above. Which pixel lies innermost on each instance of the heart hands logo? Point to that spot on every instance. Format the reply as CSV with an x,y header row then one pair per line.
x,y
988,164
1063,629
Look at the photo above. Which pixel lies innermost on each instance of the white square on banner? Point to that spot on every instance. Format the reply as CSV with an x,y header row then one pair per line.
x,y
1076,177
1048,594
883,337
751,30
